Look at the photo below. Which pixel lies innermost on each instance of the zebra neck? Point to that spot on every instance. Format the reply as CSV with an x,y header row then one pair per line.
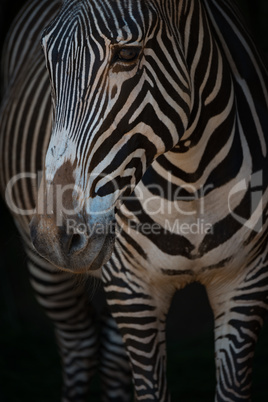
x,y
216,146
211,83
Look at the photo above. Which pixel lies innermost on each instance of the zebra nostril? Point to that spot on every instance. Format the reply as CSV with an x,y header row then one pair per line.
x,y
77,243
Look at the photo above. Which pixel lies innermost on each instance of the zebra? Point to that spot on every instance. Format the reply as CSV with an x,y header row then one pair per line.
x,y
87,340
160,137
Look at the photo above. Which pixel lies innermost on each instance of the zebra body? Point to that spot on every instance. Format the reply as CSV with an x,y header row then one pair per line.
x,y
160,123
86,341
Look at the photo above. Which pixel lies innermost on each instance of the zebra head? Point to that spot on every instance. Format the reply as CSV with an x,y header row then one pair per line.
x,y
121,97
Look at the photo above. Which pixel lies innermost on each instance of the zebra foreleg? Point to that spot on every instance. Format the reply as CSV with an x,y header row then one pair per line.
x,y
114,363
140,311
239,309
65,304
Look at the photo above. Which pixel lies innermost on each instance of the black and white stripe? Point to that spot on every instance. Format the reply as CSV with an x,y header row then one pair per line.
x,y
87,342
160,124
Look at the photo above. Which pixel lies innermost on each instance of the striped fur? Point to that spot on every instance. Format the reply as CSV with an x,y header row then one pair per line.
x,y
169,99
86,341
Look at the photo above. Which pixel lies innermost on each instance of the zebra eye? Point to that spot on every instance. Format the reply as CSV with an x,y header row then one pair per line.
x,y
128,54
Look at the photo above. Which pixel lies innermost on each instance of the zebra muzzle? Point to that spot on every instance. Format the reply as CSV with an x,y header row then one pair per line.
x,y
77,247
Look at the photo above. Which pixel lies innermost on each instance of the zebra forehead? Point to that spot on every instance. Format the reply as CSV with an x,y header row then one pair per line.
x,y
104,17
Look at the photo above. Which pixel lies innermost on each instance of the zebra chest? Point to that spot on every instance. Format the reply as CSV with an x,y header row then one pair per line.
x,y
181,245
195,236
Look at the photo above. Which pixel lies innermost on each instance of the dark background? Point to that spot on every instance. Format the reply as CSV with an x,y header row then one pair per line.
x,y
29,363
